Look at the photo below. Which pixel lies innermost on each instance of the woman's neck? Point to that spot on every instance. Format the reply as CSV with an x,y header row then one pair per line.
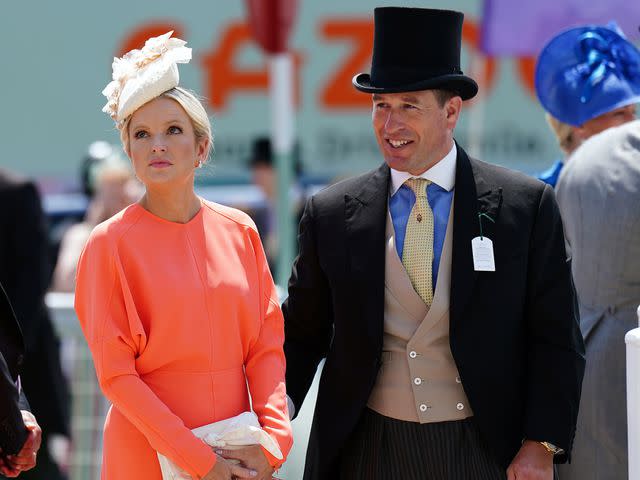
x,y
173,206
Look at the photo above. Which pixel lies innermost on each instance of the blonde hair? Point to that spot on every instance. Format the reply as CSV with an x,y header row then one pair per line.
x,y
565,134
194,110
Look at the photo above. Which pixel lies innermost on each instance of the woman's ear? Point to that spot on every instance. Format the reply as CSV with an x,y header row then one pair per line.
x,y
202,148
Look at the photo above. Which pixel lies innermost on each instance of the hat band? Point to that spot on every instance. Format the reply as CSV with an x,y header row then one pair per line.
x,y
397,76
602,58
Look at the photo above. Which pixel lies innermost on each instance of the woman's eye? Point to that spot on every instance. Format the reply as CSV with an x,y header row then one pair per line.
x,y
140,134
174,130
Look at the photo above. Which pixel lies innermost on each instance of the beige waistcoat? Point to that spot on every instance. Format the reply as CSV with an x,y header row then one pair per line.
x,y
418,380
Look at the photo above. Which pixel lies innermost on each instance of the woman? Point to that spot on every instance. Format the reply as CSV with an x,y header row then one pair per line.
x,y
586,81
174,294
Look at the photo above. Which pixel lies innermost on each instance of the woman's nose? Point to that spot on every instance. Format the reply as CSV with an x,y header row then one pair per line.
x,y
159,148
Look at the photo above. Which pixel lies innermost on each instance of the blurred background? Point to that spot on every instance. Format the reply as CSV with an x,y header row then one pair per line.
x,y
57,59
57,62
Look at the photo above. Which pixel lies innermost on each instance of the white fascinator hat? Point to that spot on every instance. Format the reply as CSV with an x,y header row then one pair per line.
x,y
142,75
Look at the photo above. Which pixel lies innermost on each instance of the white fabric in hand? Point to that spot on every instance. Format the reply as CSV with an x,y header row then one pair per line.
x,y
241,430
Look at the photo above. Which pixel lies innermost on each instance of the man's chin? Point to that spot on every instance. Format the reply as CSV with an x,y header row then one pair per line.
x,y
400,164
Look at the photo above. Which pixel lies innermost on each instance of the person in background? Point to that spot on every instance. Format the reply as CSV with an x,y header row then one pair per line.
x,y
20,434
24,273
587,80
437,288
599,199
264,175
113,187
174,294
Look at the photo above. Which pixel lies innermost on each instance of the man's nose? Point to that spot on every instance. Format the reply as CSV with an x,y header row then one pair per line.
x,y
394,121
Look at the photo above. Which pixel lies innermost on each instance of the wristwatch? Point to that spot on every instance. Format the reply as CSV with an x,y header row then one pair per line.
x,y
551,448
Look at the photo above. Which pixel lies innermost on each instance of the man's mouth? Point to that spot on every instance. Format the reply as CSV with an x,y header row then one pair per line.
x,y
398,143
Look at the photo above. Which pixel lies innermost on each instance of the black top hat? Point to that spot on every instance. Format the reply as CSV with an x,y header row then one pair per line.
x,y
262,154
416,49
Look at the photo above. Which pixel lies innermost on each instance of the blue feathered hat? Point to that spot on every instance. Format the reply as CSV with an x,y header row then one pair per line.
x,y
586,71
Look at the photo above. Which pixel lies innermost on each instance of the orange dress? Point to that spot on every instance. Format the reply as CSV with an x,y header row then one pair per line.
x,y
183,323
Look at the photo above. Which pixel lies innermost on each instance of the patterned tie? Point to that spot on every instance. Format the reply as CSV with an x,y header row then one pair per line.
x,y
417,253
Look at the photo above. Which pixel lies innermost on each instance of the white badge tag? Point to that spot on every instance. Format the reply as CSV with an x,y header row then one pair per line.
x,y
482,249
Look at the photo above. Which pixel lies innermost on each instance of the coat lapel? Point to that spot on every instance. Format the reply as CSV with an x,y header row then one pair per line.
x,y
365,220
473,196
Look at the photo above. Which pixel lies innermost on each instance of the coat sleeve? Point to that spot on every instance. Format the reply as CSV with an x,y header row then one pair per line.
x,y
29,253
555,350
265,362
115,336
307,312
12,430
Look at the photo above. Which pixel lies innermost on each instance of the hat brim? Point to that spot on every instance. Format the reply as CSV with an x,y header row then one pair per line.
x,y
464,86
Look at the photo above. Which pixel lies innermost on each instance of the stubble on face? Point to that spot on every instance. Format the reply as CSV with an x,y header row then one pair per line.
x,y
413,131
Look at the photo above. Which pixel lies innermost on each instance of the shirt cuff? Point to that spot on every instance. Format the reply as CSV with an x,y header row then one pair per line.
x,y
292,408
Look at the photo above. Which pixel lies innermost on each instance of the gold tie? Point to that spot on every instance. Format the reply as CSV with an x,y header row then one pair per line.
x,y
417,253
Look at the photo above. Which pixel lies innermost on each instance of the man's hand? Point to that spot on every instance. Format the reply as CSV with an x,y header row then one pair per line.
x,y
250,457
12,465
533,462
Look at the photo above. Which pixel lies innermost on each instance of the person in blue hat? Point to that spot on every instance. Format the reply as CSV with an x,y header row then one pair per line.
x,y
587,79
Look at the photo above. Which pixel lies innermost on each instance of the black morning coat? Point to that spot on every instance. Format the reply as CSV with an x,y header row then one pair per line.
x,y
12,430
24,273
514,333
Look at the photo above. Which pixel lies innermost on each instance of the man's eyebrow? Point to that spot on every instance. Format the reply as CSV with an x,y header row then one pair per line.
x,y
410,99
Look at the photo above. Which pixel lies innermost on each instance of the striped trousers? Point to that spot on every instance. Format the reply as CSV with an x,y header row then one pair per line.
x,y
383,448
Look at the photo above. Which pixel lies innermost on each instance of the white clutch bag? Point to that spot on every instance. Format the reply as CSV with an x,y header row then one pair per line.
x,y
238,431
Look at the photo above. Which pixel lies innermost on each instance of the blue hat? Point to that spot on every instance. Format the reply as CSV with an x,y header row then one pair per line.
x,y
586,71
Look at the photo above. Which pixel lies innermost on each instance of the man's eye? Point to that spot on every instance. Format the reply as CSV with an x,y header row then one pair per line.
x,y
174,130
408,106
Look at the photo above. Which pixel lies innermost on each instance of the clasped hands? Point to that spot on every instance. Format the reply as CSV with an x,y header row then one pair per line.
x,y
242,463
12,465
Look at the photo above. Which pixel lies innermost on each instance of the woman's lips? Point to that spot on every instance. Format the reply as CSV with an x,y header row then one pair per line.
x,y
160,163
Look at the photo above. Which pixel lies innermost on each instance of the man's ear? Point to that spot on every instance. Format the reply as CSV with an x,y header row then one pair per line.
x,y
452,110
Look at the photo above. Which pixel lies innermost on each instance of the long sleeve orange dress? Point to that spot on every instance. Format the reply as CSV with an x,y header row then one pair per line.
x,y
184,326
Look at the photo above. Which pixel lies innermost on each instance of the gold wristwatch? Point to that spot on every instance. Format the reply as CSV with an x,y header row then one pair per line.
x,y
551,448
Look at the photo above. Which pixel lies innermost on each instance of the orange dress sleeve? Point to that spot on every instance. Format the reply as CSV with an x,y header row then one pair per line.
x,y
115,335
265,362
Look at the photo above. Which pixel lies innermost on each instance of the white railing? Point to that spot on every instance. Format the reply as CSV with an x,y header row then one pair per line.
x,y
632,339
88,407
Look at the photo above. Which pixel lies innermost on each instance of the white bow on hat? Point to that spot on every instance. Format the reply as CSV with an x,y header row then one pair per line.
x,y
142,75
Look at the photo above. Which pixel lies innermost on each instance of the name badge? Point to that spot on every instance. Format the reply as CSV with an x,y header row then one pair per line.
x,y
482,249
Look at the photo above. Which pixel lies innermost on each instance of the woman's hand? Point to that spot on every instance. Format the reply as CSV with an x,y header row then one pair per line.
x,y
226,470
251,457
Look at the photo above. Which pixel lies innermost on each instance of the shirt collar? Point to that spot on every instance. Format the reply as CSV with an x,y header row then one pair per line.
x,y
443,173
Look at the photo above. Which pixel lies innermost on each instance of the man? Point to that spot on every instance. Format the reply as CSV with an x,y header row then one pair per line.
x,y
447,321
263,175
24,273
598,196
587,80
20,434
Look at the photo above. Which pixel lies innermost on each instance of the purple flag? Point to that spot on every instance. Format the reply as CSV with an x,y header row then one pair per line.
x,y
522,28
